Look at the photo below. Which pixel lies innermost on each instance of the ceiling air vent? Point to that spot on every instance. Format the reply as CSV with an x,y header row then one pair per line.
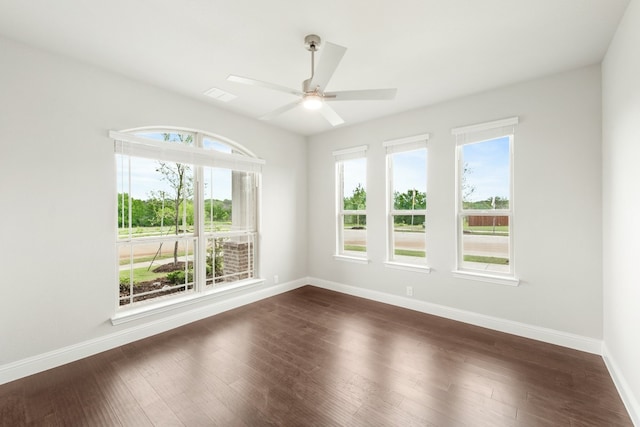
x,y
220,94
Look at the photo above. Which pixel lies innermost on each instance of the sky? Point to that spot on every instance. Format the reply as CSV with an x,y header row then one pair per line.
x,y
145,179
488,163
409,172
354,173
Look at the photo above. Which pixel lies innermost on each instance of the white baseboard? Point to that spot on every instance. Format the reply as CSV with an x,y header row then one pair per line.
x,y
32,365
551,336
626,394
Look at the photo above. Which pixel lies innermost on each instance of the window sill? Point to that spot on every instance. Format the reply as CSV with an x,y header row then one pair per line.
x,y
353,259
146,310
408,267
500,280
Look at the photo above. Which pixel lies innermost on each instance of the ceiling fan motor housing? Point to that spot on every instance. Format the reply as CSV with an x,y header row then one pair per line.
x,y
312,42
306,88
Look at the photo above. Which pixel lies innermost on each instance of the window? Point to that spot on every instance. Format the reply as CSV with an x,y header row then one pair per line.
x,y
485,198
407,200
187,205
351,203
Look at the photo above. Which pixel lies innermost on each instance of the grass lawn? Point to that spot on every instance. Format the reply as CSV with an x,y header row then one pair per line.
x,y
409,252
487,230
140,275
124,261
355,248
487,259
170,230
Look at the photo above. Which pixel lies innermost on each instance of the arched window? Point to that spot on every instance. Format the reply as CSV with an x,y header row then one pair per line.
x,y
187,213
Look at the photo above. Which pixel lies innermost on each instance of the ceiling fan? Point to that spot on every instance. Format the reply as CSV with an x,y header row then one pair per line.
x,y
313,95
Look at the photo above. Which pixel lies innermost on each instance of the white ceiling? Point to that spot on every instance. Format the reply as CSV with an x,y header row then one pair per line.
x,y
431,50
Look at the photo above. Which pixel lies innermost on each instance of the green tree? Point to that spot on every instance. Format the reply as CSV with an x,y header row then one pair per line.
x,y
179,177
137,211
357,201
410,200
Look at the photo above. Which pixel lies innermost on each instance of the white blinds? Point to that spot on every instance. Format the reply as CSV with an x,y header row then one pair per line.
x,y
485,131
350,153
136,146
406,144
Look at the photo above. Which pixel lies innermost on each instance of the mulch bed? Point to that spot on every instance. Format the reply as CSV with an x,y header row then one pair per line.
x,y
153,285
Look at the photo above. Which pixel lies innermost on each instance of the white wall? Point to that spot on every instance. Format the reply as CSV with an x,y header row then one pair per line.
x,y
557,225
57,192
621,204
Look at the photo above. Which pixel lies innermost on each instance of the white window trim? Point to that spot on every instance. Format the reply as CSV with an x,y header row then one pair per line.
x,y
397,146
472,134
133,145
486,126
356,260
489,278
339,157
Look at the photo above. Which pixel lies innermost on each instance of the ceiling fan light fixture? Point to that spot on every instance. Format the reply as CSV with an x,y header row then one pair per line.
x,y
312,102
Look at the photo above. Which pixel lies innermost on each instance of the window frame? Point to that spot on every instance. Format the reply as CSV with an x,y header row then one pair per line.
x,y
128,143
403,145
474,134
340,156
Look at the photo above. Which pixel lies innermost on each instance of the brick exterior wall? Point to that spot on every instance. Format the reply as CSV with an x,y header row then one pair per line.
x,y
237,260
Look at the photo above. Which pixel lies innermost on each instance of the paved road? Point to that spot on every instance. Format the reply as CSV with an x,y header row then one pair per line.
x,y
497,246
150,249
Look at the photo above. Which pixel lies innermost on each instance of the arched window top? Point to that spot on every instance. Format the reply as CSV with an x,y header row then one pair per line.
x,y
186,146
191,137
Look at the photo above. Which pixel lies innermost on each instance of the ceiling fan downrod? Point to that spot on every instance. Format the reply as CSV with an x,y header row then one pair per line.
x,y
312,43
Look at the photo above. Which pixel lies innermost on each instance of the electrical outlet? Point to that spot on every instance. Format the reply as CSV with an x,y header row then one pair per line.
x,y
276,279
409,291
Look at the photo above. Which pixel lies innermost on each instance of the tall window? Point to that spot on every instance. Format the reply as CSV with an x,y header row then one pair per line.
x,y
351,203
186,214
485,197
407,200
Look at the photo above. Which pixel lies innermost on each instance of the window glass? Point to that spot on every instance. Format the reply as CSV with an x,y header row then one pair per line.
x,y
485,243
212,144
151,270
410,179
485,214
354,184
407,215
409,244
353,218
217,199
486,174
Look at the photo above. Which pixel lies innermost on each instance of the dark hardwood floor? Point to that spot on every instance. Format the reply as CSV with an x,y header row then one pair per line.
x,y
316,357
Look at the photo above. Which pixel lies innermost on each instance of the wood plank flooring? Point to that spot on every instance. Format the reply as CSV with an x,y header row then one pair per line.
x,y
313,357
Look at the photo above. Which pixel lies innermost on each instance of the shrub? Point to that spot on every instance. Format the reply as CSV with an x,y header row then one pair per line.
x,y
177,277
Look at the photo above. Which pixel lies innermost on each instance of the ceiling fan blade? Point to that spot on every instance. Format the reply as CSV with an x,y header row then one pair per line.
x,y
279,111
254,82
331,56
364,95
331,115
